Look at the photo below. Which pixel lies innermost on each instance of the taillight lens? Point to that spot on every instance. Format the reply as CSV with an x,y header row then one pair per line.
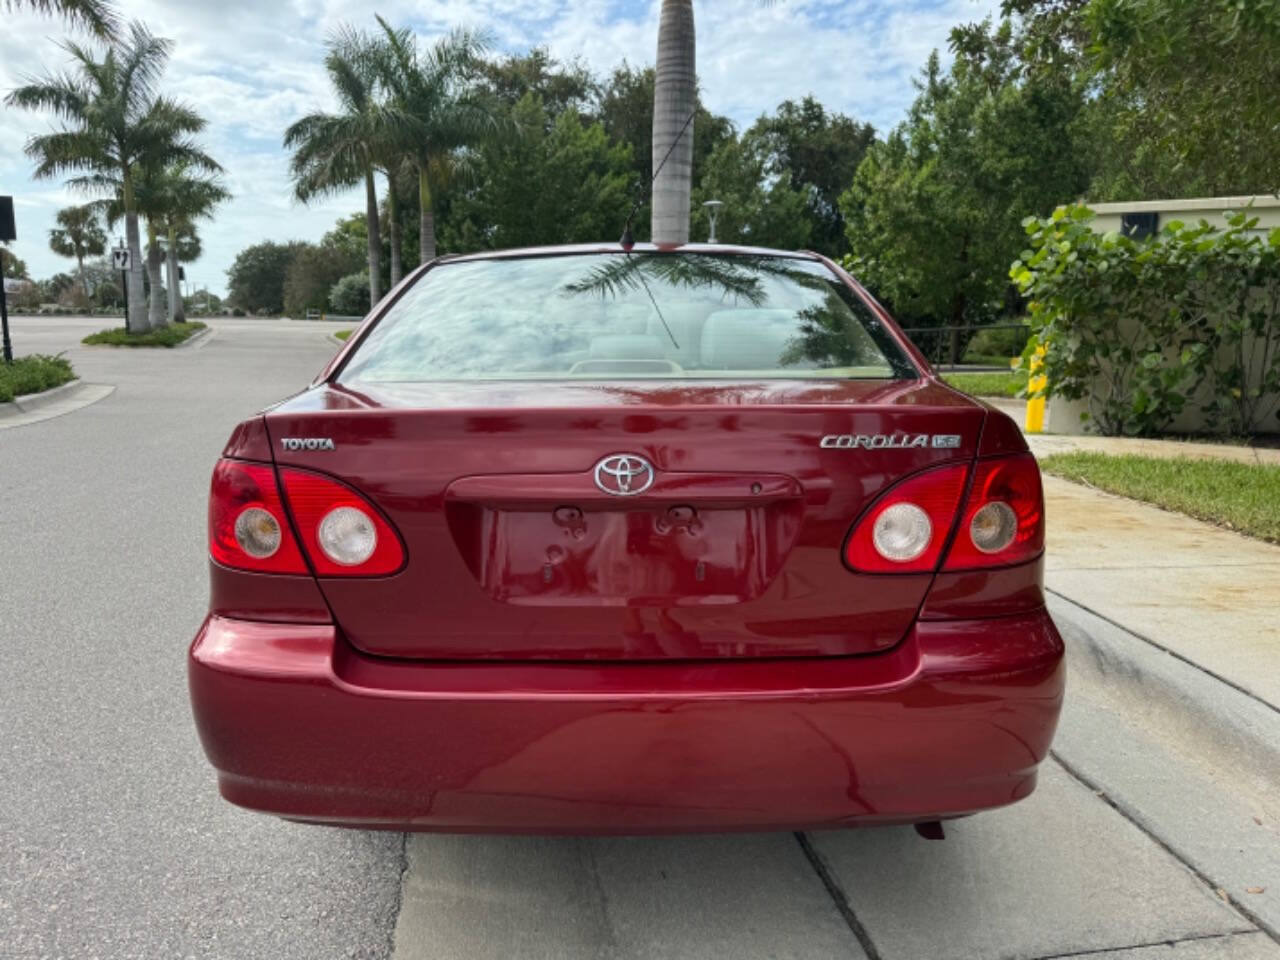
x,y
248,528
904,531
1003,520
344,534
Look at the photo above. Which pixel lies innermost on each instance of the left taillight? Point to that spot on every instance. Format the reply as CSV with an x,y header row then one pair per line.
x,y
342,533
248,525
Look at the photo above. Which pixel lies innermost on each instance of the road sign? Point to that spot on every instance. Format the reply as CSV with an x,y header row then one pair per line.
x,y
120,259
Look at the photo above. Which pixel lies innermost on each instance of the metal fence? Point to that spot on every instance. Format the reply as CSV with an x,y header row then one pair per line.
x,y
946,347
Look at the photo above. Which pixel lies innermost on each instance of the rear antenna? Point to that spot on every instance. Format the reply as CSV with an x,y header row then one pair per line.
x,y
628,241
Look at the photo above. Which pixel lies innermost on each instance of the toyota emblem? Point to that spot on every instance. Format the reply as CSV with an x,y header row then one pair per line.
x,y
624,474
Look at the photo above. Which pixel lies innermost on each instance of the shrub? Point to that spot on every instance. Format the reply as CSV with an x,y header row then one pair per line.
x,y
166,336
350,295
1140,328
33,374
237,312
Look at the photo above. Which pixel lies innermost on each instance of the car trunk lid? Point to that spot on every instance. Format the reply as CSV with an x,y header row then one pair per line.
x,y
521,546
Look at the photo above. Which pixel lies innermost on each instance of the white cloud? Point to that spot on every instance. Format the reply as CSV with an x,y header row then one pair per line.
x,y
251,67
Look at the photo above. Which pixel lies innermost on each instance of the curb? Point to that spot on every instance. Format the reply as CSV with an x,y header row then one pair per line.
x,y
31,402
195,338
1191,760
1236,719
334,340
37,407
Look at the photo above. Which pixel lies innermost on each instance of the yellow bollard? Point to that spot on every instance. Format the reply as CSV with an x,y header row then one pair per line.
x,y
1036,382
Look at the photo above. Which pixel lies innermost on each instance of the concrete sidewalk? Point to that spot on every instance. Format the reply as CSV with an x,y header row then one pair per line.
x,y
1206,594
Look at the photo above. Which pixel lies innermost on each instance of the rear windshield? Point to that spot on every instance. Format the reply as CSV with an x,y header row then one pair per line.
x,y
621,316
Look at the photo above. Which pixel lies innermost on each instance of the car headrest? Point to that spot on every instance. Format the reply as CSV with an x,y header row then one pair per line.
x,y
626,346
752,339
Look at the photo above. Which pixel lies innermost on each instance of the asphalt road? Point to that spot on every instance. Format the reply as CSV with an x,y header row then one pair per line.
x,y
114,843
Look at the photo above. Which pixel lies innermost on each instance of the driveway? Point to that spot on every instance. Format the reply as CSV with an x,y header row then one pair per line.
x,y
114,843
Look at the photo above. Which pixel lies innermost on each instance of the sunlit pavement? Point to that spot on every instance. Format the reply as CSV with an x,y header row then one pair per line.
x,y
114,843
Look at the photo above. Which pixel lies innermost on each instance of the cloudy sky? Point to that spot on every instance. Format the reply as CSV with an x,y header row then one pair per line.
x,y
252,67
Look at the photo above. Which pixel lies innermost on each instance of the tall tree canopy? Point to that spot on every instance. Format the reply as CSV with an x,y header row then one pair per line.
x,y
934,214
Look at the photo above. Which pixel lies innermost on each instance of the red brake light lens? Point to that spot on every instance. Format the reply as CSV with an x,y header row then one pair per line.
x,y
343,533
904,531
248,527
1003,520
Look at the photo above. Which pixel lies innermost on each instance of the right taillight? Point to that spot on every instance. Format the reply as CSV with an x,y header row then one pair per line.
x,y
1003,519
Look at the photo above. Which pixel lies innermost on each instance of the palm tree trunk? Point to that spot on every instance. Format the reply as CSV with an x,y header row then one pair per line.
x,y
393,224
375,237
674,100
156,315
137,304
84,286
175,291
426,217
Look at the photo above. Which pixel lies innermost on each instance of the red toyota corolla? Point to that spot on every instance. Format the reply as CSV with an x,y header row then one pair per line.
x,y
595,539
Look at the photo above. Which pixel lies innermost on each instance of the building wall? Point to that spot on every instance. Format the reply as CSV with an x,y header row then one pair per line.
x,y
1212,209
1063,416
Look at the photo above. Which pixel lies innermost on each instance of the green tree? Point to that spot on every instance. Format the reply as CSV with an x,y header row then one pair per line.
x,y
564,184
434,110
13,266
934,214
332,152
560,87
79,234
1198,81
817,153
758,209
113,125
1182,92
314,271
255,280
350,296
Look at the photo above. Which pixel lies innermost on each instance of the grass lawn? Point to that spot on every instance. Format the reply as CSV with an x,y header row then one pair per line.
x,y
170,336
988,384
1239,496
343,334
33,374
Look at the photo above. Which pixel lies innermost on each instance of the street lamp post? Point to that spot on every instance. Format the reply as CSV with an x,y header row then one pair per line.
x,y
713,211
8,233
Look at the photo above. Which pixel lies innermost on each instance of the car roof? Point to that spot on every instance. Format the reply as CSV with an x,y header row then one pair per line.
x,y
722,249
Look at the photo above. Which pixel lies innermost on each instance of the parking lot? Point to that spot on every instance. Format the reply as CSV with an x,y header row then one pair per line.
x,y
1143,841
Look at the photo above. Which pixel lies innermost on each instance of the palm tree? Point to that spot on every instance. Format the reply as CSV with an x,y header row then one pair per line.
x,y
78,235
675,96
113,127
96,16
191,199
173,198
335,151
184,246
431,114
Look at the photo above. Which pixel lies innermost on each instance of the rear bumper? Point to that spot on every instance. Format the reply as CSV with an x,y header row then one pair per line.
x,y
953,720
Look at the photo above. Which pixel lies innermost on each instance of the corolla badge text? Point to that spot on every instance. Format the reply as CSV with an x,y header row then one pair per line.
x,y
884,441
307,443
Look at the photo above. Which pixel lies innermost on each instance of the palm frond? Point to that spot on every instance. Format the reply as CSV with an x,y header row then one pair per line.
x,y
95,16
